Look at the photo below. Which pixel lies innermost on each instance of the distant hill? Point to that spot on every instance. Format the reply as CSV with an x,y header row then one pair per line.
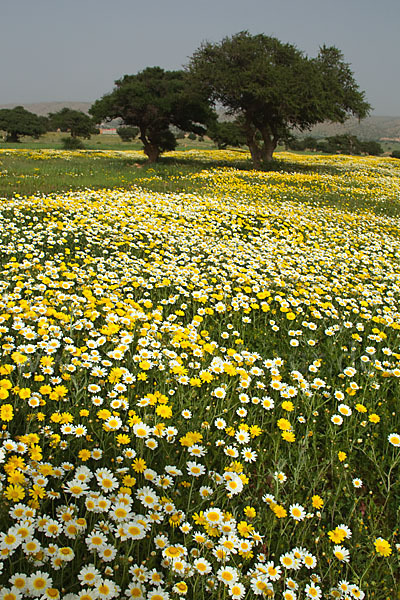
x,y
372,128
44,108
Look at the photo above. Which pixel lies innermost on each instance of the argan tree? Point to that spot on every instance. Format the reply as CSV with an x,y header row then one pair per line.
x,y
227,133
153,100
18,122
127,134
273,87
75,121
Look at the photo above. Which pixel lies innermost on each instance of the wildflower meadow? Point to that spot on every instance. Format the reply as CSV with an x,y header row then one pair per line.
x,y
199,380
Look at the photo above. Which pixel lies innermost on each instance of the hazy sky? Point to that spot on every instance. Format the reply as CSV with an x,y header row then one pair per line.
x,y
55,50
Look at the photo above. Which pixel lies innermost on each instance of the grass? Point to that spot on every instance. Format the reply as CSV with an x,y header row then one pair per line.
x,y
199,372
53,140
322,180
35,172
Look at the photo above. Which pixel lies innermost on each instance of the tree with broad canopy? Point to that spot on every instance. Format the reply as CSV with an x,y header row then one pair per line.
x,y
273,87
153,100
74,121
18,122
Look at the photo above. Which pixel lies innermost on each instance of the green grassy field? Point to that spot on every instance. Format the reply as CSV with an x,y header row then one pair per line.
x,y
199,376
53,140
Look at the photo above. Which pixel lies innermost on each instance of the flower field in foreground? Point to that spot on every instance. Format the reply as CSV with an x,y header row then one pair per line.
x,y
199,392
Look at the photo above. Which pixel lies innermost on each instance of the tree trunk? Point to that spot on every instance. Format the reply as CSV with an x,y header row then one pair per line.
x,y
254,148
255,152
270,143
268,151
152,151
12,137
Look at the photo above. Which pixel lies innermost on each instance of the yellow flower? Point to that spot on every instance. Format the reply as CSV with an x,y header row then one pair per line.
x,y
250,512
6,369
373,418
164,411
245,529
145,365
14,493
288,436
199,518
342,456
139,465
19,358
16,477
191,438
3,393
46,361
103,414
84,455
337,535
36,453
255,431
278,510
158,429
37,492
5,384
128,480
288,406
382,547
133,419
115,375
122,438
6,412
284,424
45,389
317,501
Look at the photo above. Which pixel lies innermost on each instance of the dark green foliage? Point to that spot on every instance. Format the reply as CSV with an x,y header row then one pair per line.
x,y
155,100
350,144
322,146
72,143
127,134
307,143
273,87
336,144
74,121
295,144
18,121
192,136
373,148
339,95
311,142
395,154
344,144
227,133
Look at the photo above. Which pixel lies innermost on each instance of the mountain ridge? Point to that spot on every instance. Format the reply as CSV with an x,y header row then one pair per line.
x,y
44,108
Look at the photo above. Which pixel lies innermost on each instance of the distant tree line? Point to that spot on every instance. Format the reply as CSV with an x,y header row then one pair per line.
x,y
18,122
266,87
336,144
